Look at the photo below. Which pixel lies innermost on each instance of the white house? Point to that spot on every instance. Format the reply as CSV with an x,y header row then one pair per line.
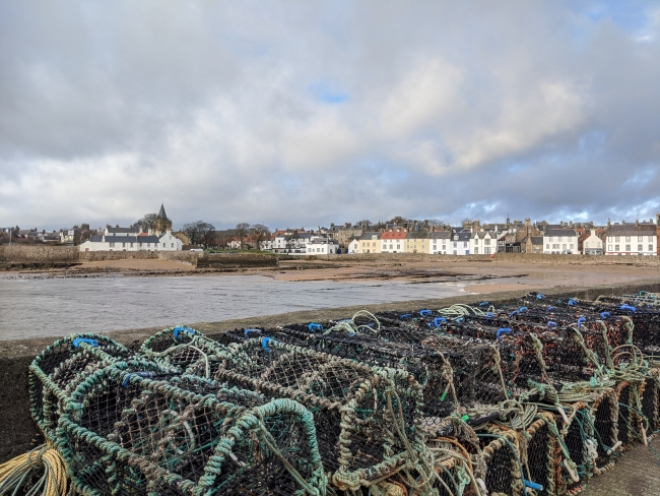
x,y
592,244
460,243
631,239
292,242
560,241
321,246
483,243
393,240
439,242
354,246
126,239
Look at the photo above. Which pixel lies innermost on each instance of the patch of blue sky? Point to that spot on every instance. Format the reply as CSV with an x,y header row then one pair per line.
x,y
324,93
641,178
630,16
591,140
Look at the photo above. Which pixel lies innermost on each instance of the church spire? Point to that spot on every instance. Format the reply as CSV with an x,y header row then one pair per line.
x,y
161,213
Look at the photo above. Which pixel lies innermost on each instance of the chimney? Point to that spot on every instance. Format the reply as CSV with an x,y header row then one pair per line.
x,y
623,222
609,222
636,222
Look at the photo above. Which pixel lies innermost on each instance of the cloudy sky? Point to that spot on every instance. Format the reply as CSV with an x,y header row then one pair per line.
x,y
306,113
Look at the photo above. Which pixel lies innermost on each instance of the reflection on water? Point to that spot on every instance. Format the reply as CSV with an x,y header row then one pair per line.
x,y
55,307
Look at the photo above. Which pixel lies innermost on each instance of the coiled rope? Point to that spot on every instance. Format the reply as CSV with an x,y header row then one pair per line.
x,y
44,463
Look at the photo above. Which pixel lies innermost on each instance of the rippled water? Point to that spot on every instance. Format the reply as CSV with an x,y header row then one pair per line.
x,y
54,307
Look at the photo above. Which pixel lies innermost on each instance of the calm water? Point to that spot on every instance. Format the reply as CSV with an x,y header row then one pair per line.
x,y
55,307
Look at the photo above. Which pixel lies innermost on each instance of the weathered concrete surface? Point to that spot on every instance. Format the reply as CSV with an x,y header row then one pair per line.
x,y
18,428
637,473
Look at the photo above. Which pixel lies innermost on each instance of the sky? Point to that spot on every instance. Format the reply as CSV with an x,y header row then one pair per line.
x,y
298,113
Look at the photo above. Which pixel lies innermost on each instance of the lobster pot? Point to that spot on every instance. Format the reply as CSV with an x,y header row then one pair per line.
x,y
577,436
651,402
647,331
366,417
478,380
501,454
452,469
432,369
606,429
629,422
179,347
125,434
55,373
543,455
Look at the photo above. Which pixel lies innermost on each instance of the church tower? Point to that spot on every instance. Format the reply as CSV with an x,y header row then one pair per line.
x,y
162,223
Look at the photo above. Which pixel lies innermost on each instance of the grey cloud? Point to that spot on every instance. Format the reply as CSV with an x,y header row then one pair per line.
x,y
453,109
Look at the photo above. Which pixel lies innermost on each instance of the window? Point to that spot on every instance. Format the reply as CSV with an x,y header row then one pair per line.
x,y
454,252
616,239
650,238
628,247
609,248
131,245
487,242
616,247
465,244
547,246
398,247
112,245
171,245
650,247
559,239
555,246
476,241
640,248
640,239
454,247
627,238
487,251
163,245
123,245
476,250
571,246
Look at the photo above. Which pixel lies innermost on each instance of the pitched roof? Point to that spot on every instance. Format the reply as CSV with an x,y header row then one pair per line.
x,y
632,230
393,234
368,236
560,232
418,235
440,235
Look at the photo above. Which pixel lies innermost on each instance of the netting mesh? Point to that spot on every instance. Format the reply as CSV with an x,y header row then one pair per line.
x,y
365,416
531,398
127,434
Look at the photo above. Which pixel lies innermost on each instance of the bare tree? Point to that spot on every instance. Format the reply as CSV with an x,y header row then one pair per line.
x,y
260,233
147,222
200,233
242,231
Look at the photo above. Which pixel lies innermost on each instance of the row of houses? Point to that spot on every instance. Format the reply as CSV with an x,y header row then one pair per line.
x,y
626,239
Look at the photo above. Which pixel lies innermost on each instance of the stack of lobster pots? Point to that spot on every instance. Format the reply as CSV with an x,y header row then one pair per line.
x,y
534,398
